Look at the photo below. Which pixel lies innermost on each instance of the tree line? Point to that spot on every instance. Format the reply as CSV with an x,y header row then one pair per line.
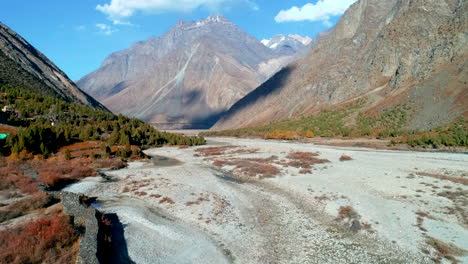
x,y
35,113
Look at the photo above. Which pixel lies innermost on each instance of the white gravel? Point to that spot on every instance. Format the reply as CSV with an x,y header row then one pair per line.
x,y
290,218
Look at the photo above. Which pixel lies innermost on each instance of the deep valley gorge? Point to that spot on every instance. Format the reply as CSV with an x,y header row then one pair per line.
x,y
234,131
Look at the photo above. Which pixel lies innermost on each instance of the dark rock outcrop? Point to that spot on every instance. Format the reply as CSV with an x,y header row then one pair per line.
x,y
84,217
102,235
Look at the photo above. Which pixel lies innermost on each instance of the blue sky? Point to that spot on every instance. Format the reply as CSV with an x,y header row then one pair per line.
x,y
78,35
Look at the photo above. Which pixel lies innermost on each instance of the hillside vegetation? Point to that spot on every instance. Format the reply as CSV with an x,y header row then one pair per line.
x,y
50,144
46,123
12,75
352,122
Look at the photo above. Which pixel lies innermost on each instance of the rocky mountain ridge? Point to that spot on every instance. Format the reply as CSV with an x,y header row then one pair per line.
x,y
186,76
24,66
388,52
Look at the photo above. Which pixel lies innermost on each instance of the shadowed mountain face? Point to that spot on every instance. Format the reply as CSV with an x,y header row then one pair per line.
x,y
390,52
187,76
21,65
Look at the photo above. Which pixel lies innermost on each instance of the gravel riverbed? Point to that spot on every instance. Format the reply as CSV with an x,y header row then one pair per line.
x,y
181,208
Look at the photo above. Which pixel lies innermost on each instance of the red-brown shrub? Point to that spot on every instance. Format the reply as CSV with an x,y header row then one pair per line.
x,y
213,151
49,239
166,200
302,155
25,205
305,171
345,157
244,151
59,173
11,176
219,163
260,170
304,159
252,167
346,212
113,164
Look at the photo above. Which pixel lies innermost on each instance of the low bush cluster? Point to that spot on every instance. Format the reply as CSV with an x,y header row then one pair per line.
x,y
304,160
259,168
280,134
25,205
345,158
49,239
12,177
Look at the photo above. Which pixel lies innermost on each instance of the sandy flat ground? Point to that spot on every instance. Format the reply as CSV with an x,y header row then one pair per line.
x,y
180,208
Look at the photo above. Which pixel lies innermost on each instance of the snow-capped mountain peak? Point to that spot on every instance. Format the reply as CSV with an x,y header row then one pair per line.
x,y
287,44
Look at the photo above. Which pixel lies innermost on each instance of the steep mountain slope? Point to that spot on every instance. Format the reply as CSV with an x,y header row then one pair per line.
x,y
287,45
185,77
21,65
390,52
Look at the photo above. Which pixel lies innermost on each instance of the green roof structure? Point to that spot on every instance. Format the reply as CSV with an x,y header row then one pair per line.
x,y
3,136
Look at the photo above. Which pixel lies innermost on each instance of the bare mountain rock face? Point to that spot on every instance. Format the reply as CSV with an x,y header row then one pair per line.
x,y
186,77
21,65
390,52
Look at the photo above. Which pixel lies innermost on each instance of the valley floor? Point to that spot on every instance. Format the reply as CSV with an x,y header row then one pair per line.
x,y
376,206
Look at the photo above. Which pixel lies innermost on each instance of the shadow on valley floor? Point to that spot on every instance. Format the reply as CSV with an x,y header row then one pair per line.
x,y
112,247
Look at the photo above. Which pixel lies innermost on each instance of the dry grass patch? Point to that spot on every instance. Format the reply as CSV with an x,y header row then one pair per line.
x,y
11,178
255,169
110,163
345,158
25,205
198,201
244,151
213,151
461,180
166,200
250,168
304,160
56,174
459,200
445,250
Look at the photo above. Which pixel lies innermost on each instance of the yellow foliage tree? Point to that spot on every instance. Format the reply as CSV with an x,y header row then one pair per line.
x,y
310,134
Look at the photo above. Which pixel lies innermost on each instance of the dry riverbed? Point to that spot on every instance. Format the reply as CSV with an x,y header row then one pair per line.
x,y
257,201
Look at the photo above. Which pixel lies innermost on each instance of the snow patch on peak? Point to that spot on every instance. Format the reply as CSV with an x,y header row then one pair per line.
x,y
274,45
304,40
265,41
219,19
